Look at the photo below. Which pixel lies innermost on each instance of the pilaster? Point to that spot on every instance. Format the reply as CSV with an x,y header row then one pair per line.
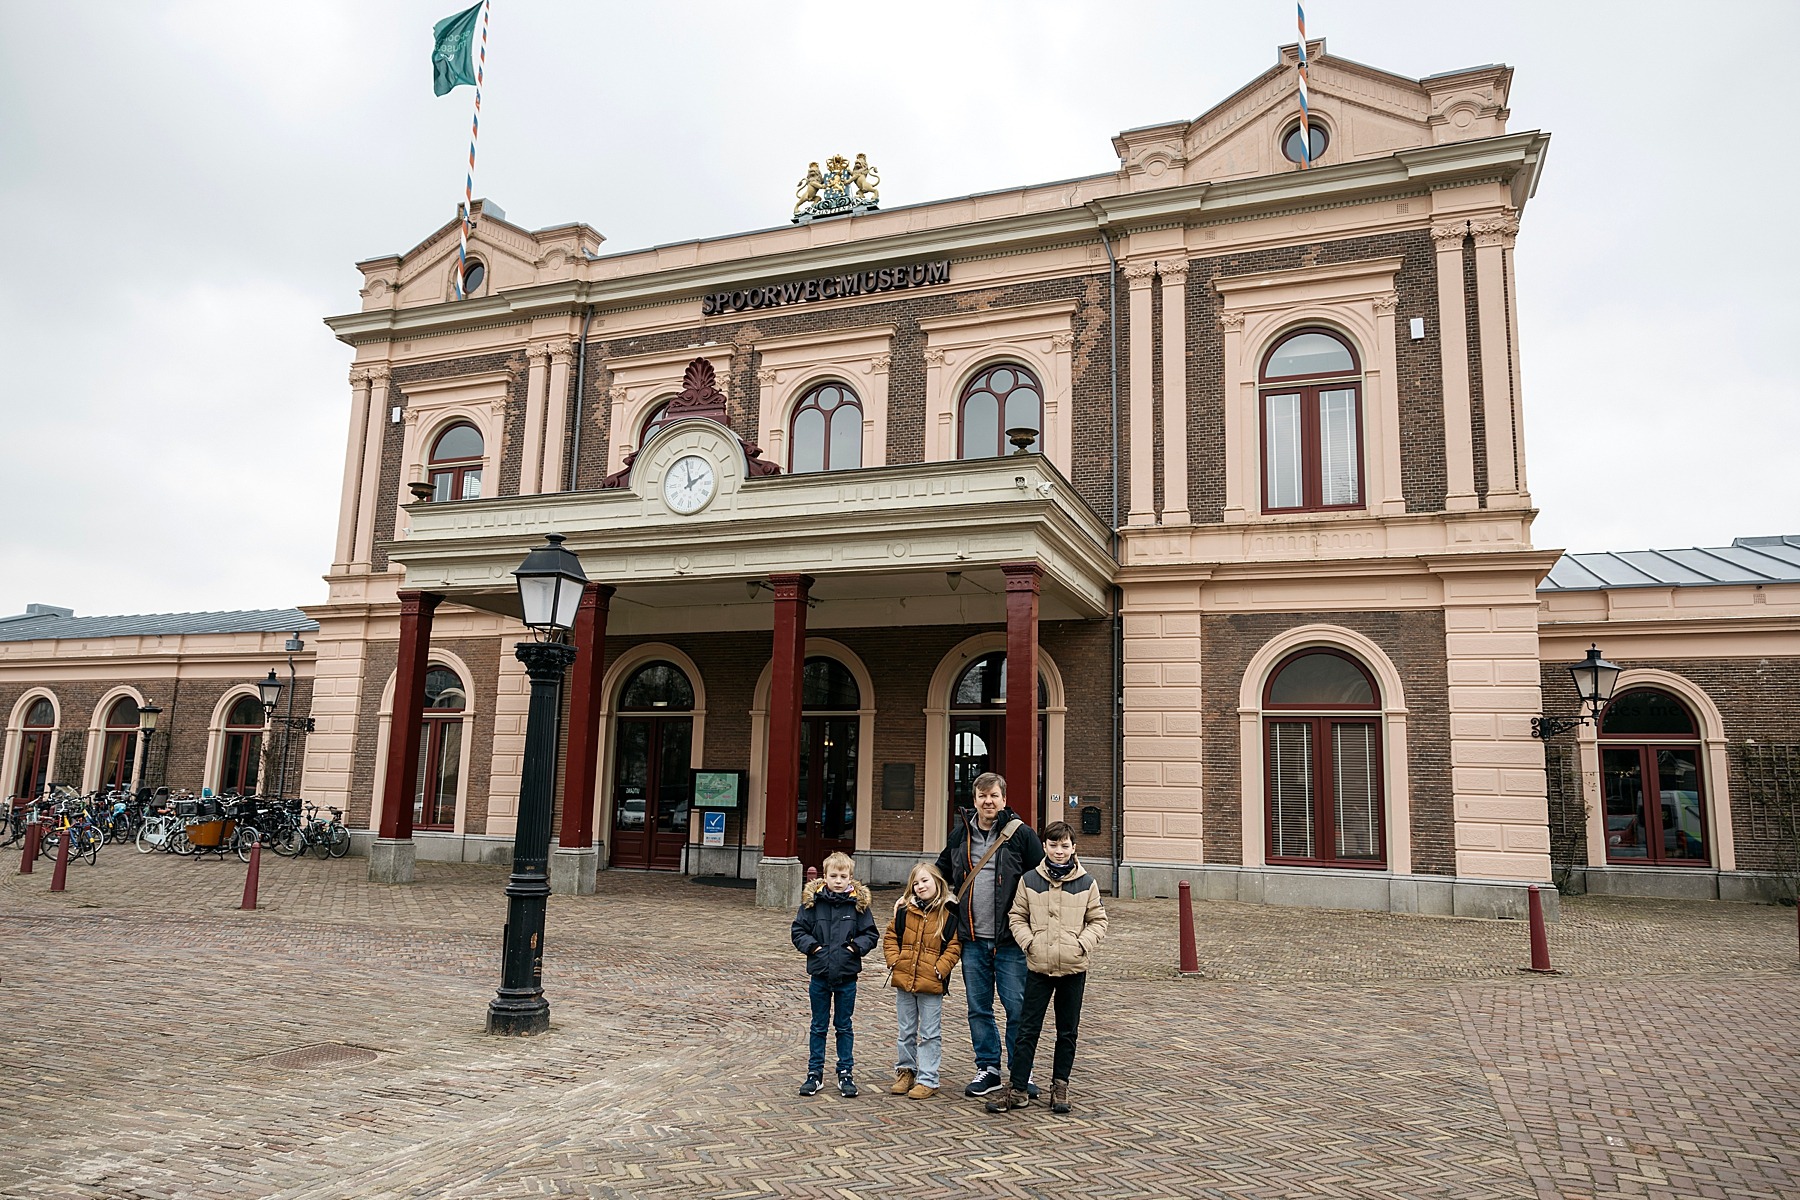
x,y
353,456
363,553
1175,393
1493,242
531,451
1453,353
1162,811
1140,277
556,417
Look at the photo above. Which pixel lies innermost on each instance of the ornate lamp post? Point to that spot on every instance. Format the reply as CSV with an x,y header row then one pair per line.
x,y
147,717
550,583
1595,679
269,689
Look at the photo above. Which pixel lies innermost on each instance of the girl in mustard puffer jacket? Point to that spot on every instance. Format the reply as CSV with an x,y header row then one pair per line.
x,y
921,949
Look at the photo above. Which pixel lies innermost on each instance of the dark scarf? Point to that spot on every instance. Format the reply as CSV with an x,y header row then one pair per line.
x,y
1059,873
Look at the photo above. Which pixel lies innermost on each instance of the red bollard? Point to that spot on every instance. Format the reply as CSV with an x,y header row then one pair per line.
x,y
60,876
250,879
31,849
812,873
1540,944
1190,958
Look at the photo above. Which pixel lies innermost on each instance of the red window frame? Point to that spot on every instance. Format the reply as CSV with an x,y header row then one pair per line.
x,y
34,749
654,420
1321,718
1308,388
1646,745
1025,376
810,402
239,758
449,475
117,758
434,727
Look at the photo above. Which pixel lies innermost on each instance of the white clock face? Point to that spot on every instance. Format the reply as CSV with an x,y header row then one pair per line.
x,y
689,484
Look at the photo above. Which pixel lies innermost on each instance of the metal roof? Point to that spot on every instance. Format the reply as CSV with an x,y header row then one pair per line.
x,y
42,622
1746,560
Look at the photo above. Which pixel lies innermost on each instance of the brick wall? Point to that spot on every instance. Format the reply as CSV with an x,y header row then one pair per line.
x,y
1414,640
483,658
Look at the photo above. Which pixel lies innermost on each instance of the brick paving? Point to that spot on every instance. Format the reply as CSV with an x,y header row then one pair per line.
x,y
151,1031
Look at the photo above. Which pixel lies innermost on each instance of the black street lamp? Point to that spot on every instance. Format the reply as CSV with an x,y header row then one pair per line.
x,y
147,717
269,690
550,584
1595,679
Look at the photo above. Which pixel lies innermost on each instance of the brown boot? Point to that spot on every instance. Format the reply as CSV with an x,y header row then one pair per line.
x,y
1059,1095
1011,1098
902,1084
921,1092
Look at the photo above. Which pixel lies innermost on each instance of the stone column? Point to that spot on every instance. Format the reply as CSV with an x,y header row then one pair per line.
x,y
363,554
576,860
1175,393
531,454
1493,240
1141,502
780,875
391,858
556,418
353,455
1453,349
1022,688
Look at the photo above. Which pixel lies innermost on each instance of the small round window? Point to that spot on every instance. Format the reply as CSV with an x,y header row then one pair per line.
x,y
1316,135
474,274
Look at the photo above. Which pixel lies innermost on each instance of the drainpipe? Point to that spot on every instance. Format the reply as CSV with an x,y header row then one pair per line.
x,y
1118,638
581,394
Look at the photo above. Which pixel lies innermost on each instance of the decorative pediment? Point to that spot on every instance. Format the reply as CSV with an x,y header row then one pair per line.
x,y
699,397
511,256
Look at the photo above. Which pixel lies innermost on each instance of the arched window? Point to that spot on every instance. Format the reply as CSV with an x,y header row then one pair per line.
x,y
1317,139
1312,424
1005,396
1651,781
978,731
827,430
456,463
658,417
34,748
440,750
657,685
243,747
118,752
1322,751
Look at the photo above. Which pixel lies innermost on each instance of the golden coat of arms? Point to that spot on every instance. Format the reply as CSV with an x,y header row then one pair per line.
x,y
842,187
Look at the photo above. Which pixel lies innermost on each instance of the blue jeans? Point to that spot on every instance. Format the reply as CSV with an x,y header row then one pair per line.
x,y
990,966
827,997
921,1043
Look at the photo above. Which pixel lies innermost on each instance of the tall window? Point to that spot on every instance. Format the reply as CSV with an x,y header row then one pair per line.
x,y
1322,763
440,750
653,739
456,464
1650,777
1005,396
827,430
243,747
118,752
1312,424
34,748
978,731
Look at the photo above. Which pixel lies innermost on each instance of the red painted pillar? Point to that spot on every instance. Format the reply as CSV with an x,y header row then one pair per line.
x,y
409,700
781,806
1022,688
584,718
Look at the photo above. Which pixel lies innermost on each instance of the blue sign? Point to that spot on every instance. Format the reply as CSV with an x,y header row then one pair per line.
x,y
712,828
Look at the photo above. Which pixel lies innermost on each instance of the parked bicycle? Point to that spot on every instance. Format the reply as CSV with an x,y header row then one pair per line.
x,y
324,838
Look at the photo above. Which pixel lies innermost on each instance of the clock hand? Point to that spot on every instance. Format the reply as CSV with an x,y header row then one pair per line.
x,y
690,475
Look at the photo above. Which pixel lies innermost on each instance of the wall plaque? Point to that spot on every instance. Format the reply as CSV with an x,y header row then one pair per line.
x,y
897,786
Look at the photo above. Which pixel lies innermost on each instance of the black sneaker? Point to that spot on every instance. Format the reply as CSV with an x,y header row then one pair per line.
x,y
811,1086
986,1080
1031,1087
846,1086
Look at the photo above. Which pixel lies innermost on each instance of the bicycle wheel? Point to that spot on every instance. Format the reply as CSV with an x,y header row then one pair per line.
x,y
47,844
179,844
88,846
144,843
321,843
340,841
286,841
245,839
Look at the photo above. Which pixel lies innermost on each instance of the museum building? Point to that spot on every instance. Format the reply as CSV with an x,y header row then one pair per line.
x,y
1190,496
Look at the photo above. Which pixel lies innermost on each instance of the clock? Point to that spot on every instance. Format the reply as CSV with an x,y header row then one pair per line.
x,y
689,483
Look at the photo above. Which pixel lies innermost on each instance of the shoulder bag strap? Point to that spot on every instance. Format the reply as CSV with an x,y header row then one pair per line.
x,y
992,850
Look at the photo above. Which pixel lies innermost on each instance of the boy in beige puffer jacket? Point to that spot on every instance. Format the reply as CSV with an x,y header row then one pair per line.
x,y
1058,919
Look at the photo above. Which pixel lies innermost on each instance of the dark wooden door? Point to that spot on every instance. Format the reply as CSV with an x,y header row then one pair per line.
x,y
652,791
826,815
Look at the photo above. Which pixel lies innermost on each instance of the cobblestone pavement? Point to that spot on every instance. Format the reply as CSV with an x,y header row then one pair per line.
x,y
1321,1053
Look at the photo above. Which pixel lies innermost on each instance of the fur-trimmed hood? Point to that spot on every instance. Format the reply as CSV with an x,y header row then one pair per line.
x,y
811,893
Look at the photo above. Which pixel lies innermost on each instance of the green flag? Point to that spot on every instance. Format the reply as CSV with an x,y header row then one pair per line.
x,y
452,62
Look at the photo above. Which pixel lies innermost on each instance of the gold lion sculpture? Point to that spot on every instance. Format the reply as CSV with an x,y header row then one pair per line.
x,y
809,188
865,178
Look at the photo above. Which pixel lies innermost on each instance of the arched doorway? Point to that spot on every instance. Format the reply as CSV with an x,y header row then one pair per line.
x,y
243,747
440,750
118,754
653,739
829,729
34,748
978,734
1650,745
1322,763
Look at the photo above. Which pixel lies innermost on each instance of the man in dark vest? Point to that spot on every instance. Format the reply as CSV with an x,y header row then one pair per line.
x,y
989,849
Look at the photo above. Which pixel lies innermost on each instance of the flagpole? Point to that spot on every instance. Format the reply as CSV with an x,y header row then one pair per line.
x,y
1305,130
468,206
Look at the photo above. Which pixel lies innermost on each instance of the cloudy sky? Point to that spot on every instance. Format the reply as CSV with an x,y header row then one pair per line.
x,y
190,185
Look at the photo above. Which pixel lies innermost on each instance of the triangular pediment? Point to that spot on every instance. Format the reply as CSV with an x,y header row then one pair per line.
x,y
1366,113
511,256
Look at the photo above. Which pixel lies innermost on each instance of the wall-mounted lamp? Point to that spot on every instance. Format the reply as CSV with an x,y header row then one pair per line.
x,y
1595,679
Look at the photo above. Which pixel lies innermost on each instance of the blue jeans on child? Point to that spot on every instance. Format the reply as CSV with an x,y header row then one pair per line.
x,y
921,1050
987,967
832,1004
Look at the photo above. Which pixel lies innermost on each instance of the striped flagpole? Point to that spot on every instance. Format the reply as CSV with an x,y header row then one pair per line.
x,y
468,206
1305,131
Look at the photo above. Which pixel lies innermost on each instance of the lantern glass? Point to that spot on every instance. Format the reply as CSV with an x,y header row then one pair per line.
x,y
1595,678
270,690
550,583
147,715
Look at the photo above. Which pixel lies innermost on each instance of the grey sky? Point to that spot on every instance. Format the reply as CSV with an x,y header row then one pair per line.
x,y
190,184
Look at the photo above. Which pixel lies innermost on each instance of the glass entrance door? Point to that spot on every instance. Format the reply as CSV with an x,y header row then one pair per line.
x,y
651,791
826,817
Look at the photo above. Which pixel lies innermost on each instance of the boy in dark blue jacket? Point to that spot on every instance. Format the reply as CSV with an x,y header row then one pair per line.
x,y
834,929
